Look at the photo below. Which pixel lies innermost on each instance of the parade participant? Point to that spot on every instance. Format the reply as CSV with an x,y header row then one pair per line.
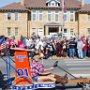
x,y
40,74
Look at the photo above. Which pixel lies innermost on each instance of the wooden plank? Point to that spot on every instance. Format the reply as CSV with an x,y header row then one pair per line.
x,y
22,49
79,80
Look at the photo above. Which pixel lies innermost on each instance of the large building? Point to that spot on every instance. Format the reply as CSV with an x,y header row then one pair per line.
x,y
45,17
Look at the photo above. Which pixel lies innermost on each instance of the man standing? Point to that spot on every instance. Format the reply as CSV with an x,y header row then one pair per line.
x,y
72,48
79,48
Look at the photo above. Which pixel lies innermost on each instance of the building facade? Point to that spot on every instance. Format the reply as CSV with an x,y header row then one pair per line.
x,y
45,17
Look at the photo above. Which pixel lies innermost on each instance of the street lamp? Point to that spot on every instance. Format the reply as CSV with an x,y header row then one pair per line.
x,y
63,2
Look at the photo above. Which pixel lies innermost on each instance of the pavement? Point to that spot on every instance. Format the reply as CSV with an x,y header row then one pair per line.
x,y
76,67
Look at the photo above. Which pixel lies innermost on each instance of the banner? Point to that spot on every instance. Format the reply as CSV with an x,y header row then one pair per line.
x,y
23,75
43,85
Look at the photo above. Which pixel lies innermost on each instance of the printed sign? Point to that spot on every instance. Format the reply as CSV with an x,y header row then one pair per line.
x,y
23,75
36,86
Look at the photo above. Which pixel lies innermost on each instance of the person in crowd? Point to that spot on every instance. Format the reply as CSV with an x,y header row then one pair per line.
x,y
28,42
80,48
21,43
64,45
13,43
72,48
88,42
59,49
48,50
84,48
32,48
33,36
41,52
40,74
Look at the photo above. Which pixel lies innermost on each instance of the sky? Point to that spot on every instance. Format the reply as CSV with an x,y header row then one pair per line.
x,y
5,2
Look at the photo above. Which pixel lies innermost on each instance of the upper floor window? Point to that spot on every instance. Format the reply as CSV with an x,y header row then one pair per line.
x,y
49,15
71,11
72,15
53,3
40,15
88,17
16,16
16,31
8,31
9,16
57,15
65,16
33,15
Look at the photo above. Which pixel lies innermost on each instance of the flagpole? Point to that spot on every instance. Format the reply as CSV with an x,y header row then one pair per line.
x,y
63,17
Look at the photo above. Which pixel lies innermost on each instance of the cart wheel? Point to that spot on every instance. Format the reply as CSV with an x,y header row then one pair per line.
x,y
86,87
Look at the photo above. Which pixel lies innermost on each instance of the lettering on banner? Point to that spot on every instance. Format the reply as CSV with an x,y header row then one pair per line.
x,y
21,58
23,73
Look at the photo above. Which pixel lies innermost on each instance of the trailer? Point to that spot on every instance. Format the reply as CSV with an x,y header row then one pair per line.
x,y
24,74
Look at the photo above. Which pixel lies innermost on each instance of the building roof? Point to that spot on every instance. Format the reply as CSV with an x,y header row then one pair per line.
x,y
75,4
85,8
13,7
42,3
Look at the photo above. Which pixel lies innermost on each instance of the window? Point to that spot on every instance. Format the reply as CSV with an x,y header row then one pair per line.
x,y
16,16
71,15
88,31
71,32
56,15
16,31
88,17
9,16
65,16
53,4
65,30
33,30
49,15
8,31
40,15
34,15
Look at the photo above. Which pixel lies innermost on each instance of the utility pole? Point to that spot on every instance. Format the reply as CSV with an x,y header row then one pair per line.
x,y
63,2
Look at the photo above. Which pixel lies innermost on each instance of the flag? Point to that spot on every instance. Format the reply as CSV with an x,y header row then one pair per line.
x,y
2,46
2,40
2,43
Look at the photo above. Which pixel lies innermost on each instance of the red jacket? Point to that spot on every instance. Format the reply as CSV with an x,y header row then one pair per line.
x,y
85,46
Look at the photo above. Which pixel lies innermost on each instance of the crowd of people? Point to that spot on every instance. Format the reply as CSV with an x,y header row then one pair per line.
x,y
47,47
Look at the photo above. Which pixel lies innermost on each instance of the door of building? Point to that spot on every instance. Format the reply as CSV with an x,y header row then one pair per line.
x,y
53,30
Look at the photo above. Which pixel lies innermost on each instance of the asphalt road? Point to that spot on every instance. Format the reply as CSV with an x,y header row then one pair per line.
x,y
75,66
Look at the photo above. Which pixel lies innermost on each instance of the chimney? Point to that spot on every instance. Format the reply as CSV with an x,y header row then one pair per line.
x,y
22,2
82,3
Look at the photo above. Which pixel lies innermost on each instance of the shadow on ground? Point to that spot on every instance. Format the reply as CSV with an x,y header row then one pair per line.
x,y
4,83
64,88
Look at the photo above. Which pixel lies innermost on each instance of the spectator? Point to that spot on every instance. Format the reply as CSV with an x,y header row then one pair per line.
x,y
72,48
80,48
84,48
20,43
88,46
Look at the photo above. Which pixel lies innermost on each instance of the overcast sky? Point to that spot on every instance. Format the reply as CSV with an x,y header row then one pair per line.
x,y
5,2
